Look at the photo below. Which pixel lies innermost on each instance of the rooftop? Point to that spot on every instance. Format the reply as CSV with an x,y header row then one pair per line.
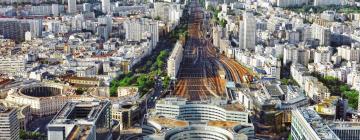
x,y
344,125
316,122
171,123
223,124
79,112
234,107
84,78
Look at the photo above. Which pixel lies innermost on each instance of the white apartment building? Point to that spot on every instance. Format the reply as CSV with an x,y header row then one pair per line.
x,y
268,64
153,28
296,55
328,2
55,10
105,6
11,64
306,124
9,123
349,53
137,29
106,20
322,55
247,31
299,73
45,10
212,3
217,33
353,79
321,33
133,30
71,6
174,60
290,3
316,90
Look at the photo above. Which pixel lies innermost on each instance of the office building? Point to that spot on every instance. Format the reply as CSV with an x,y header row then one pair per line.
x,y
306,124
9,124
173,63
247,31
105,6
341,109
346,130
71,6
217,32
88,120
126,113
13,29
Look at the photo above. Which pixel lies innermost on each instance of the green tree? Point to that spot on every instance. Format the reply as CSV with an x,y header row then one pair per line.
x,y
157,18
80,91
25,135
166,82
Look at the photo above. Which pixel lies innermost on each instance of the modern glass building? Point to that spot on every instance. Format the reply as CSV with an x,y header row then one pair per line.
x,y
182,109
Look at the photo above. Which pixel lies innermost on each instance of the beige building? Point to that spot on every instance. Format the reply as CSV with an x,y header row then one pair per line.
x,y
174,60
89,81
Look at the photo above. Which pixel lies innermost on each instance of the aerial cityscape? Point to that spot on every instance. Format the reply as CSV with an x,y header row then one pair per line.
x,y
179,69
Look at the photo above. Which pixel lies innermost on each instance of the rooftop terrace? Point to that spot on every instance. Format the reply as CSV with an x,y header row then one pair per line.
x,y
317,124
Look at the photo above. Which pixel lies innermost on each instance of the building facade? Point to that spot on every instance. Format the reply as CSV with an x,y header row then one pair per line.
x,y
9,124
247,32
82,120
306,124
173,63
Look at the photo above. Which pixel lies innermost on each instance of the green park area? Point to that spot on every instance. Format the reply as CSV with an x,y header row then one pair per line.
x,y
320,9
180,30
28,135
143,74
339,88
215,16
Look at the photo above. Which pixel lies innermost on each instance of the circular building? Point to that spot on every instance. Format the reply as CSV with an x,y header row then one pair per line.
x,y
43,99
201,112
199,132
